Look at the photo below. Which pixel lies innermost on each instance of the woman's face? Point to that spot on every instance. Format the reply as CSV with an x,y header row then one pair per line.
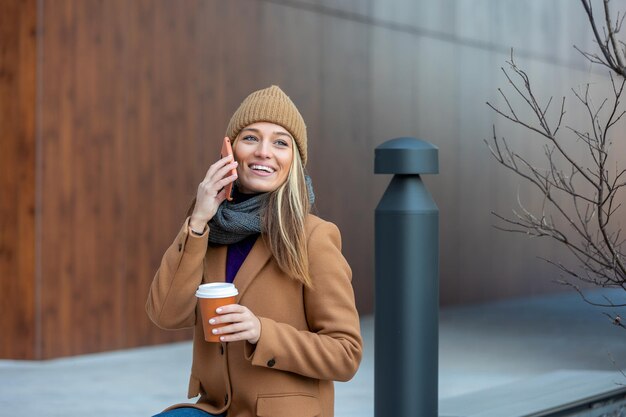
x,y
264,151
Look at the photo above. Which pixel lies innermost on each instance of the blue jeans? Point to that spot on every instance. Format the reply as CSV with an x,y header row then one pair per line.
x,y
187,412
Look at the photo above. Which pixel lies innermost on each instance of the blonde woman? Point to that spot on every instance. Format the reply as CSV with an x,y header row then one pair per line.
x,y
294,328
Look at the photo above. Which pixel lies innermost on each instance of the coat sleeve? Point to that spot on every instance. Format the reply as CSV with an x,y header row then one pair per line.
x,y
171,301
332,347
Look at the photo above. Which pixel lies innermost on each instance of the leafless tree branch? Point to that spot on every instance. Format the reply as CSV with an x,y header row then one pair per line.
x,y
611,48
581,196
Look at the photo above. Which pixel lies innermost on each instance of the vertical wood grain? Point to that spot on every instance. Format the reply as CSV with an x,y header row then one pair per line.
x,y
83,249
18,54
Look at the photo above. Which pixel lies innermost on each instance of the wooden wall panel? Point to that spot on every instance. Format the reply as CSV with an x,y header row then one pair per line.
x,y
80,253
155,127
18,54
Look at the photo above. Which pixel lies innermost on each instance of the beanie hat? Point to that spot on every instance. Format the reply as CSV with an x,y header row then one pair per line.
x,y
270,105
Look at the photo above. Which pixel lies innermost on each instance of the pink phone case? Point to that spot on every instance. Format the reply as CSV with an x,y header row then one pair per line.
x,y
228,150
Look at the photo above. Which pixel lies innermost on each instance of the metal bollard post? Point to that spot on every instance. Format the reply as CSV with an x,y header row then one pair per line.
x,y
407,283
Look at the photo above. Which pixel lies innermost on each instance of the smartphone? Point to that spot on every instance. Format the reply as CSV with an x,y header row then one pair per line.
x,y
227,149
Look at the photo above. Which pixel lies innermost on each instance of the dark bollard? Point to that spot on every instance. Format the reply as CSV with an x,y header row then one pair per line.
x,y
407,283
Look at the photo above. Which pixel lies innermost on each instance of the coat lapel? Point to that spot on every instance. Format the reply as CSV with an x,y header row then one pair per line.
x,y
255,261
215,264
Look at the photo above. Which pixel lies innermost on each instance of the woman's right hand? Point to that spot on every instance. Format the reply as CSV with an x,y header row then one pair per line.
x,y
211,192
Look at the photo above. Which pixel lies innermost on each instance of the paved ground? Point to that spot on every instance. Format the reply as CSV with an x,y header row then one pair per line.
x,y
480,347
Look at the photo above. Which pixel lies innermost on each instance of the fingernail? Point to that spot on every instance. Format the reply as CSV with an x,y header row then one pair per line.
x,y
219,310
214,331
212,321
222,338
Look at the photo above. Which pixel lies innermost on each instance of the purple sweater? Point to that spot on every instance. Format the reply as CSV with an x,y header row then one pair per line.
x,y
236,254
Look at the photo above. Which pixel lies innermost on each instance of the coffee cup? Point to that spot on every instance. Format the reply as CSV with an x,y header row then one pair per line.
x,y
211,296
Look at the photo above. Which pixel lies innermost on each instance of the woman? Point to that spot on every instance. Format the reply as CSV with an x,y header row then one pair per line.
x,y
295,327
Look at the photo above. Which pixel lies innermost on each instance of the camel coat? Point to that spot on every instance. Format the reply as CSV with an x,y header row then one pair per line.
x,y
309,337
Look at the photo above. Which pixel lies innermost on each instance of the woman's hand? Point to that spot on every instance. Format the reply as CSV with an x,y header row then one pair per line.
x,y
211,193
244,324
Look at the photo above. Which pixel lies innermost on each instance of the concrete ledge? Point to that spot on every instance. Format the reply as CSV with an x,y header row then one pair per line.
x,y
561,393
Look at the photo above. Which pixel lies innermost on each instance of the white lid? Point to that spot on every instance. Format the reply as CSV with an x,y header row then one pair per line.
x,y
216,290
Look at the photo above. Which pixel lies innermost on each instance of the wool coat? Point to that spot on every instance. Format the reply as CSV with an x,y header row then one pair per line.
x,y
309,338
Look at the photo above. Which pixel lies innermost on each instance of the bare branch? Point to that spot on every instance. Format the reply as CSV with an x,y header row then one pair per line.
x,y
609,303
608,43
619,56
581,196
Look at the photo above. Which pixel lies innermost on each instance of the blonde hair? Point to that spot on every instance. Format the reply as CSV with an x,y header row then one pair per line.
x,y
283,220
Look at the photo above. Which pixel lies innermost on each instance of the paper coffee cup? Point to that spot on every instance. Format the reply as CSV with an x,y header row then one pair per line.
x,y
211,296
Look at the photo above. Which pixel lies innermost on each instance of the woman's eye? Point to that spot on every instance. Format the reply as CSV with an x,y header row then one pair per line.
x,y
281,142
249,138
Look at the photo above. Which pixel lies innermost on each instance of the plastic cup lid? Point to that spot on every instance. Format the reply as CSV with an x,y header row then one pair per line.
x,y
216,290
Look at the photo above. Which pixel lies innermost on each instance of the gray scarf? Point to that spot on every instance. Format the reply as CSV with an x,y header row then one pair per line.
x,y
234,222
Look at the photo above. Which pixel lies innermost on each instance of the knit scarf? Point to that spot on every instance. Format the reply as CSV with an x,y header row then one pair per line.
x,y
234,221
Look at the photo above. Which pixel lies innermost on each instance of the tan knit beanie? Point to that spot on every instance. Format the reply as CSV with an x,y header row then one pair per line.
x,y
270,105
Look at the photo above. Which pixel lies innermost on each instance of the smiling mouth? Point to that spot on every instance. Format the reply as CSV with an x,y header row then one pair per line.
x,y
262,168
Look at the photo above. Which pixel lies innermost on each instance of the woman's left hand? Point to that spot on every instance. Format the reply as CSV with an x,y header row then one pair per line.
x,y
244,324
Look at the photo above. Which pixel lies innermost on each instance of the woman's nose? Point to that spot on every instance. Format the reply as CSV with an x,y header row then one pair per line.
x,y
263,150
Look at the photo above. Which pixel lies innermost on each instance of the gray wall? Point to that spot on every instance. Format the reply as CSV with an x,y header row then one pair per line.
x,y
452,52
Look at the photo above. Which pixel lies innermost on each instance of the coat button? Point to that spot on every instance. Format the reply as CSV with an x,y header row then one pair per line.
x,y
225,399
180,247
271,363
221,350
